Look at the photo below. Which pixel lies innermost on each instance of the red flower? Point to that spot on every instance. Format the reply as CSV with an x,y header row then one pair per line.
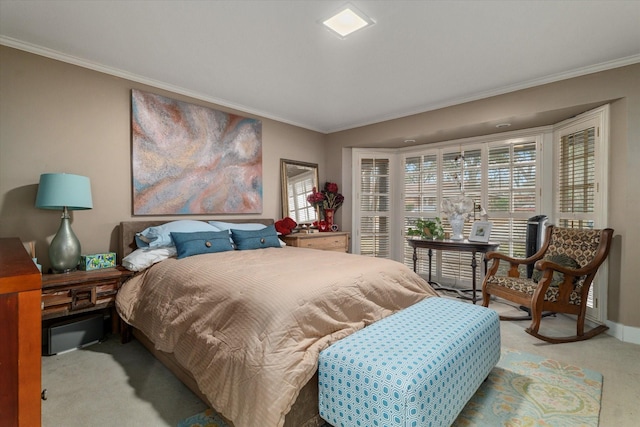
x,y
331,187
315,198
329,198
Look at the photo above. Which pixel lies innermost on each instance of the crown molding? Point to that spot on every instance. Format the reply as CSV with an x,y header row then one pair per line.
x,y
95,66
578,72
53,54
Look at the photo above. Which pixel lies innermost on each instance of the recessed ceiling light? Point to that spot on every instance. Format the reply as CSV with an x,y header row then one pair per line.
x,y
347,20
503,125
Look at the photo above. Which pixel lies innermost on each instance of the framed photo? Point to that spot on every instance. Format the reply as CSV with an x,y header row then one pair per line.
x,y
480,231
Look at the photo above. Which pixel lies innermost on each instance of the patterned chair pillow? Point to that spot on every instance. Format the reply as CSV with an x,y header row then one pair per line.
x,y
560,259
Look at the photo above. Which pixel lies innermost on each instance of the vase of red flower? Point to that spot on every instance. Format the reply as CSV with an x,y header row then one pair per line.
x,y
327,202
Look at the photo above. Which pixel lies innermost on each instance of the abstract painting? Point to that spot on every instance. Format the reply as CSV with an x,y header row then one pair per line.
x,y
189,159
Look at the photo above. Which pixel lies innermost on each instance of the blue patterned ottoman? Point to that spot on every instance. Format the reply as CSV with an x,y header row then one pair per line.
x,y
417,367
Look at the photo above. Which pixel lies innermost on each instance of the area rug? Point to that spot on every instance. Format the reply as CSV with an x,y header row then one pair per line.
x,y
523,390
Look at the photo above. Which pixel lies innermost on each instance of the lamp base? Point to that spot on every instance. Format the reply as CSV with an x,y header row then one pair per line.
x,y
64,251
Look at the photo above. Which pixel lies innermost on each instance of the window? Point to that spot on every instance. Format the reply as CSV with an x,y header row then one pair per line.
x,y
581,159
576,179
421,198
504,174
512,194
461,172
373,206
500,177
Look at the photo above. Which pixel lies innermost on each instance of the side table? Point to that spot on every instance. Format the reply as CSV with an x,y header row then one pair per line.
x,y
457,246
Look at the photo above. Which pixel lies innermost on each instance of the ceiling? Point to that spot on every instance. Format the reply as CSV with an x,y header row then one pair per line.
x,y
274,59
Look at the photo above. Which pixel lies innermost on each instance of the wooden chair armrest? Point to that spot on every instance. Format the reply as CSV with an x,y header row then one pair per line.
x,y
513,262
519,261
501,256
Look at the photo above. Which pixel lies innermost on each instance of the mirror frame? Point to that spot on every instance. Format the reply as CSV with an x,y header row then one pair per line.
x,y
283,181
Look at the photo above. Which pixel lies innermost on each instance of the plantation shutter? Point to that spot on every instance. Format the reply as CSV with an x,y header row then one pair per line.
x,y
512,198
575,191
374,207
420,200
461,172
575,195
580,186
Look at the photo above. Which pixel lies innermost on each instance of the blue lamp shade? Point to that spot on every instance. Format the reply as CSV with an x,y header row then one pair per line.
x,y
60,190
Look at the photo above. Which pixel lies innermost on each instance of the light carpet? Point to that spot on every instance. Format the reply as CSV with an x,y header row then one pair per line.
x,y
522,390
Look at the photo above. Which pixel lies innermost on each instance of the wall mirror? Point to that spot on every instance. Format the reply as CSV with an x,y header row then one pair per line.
x,y
298,180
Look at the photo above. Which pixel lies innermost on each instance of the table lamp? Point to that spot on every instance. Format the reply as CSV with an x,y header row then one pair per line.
x,y
62,191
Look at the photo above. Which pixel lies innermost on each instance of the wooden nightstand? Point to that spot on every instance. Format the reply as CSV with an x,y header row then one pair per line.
x,y
78,292
331,241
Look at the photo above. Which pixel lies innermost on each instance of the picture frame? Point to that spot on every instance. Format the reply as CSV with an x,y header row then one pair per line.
x,y
480,231
188,159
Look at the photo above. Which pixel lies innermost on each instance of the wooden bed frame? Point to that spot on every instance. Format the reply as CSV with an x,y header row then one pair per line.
x,y
303,413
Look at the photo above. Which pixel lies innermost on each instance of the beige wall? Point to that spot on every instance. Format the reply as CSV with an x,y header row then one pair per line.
x,y
620,87
57,117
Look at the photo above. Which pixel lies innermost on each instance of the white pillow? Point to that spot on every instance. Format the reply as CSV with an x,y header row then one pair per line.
x,y
141,259
246,226
160,235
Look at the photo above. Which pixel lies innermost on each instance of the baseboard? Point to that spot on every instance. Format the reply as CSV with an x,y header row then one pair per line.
x,y
624,333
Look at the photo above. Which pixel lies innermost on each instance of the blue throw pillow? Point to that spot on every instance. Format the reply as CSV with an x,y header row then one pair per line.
x,y
256,239
203,242
222,225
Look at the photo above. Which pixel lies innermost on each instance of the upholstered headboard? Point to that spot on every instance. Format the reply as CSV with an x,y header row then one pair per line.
x,y
128,230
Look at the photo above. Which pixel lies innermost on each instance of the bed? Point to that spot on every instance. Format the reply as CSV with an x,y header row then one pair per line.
x,y
243,328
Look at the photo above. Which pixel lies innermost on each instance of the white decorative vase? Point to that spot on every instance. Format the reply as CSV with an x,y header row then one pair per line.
x,y
457,227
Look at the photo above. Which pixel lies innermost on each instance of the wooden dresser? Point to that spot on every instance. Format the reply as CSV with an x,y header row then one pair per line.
x,y
331,241
20,336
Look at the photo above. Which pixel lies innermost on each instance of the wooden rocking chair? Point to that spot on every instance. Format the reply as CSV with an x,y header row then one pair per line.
x,y
567,263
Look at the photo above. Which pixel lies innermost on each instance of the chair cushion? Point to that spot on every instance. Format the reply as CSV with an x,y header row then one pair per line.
x,y
562,260
528,286
580,244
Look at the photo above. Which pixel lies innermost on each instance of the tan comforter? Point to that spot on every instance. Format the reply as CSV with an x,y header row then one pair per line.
x,y
249,325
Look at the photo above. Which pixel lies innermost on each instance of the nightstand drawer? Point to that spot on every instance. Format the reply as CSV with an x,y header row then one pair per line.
x,y
83,298
67,301
77,298
80,291
324,243
334,241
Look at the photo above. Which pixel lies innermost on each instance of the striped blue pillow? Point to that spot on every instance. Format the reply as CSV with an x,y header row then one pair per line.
x,y
202,242
256,239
